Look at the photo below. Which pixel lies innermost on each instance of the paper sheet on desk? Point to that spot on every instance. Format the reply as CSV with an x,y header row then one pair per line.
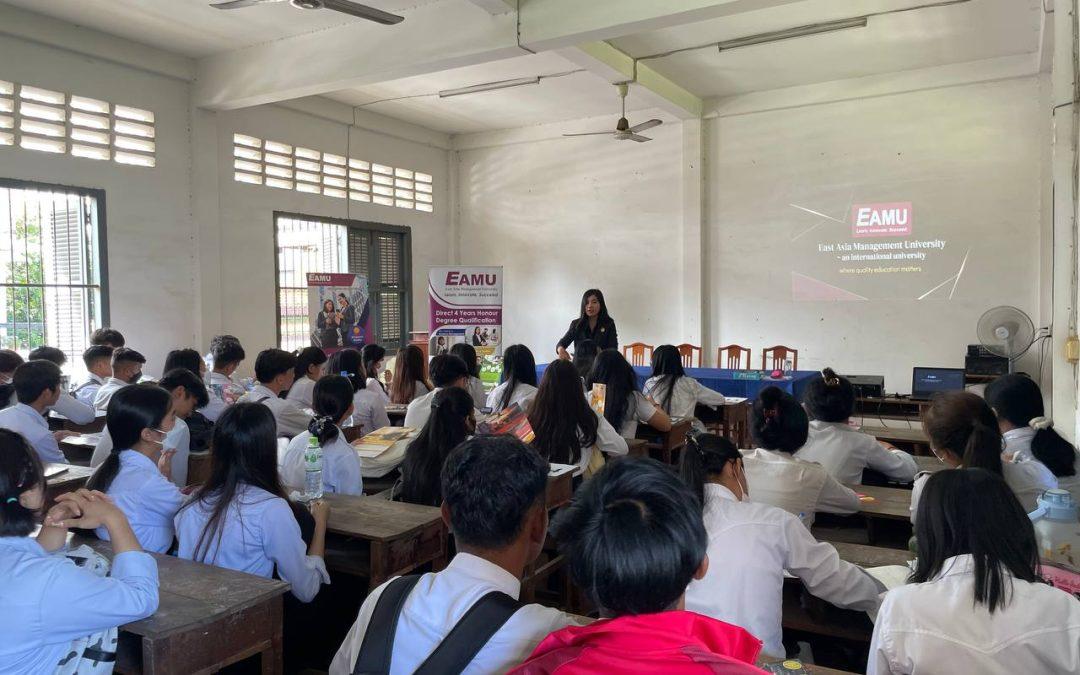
x,y
88,440
734,400
889,576
559,469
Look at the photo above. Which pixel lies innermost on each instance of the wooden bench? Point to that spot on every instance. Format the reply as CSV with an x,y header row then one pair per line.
x,y
731,420
665,444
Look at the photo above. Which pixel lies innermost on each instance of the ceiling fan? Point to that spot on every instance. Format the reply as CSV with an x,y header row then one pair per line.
x,y
623,130
343,6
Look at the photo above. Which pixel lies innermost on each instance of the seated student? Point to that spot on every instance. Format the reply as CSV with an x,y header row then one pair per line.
x,y
369,410
48,601
677,393
195,427
963,433
274,373
410,380
975,602
37,386
751,546
9,361
373,357
109,337
779,427
138,470
1018,404
447,370
126,369
239,518
634,539
451,422
227,354
612,370
67,405
186,358
496,540
833,443
333,403
474,386
517,384
98,362
567,430
310,362
585,353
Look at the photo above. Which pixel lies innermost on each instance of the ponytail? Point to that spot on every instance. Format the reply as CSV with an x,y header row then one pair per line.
x,y
830,398
330,399
1017,400
20,470
778,421
983,448
705,455
962,424
1051,449
349,364
323,428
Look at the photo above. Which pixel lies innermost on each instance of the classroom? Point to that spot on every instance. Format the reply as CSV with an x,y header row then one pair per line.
x,y
539,336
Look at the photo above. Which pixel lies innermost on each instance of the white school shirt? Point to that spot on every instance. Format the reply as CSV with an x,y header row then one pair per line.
x,y
476,389
223,393
106,391
934,627
302,391
178,439
149,501
340,469
48,601
259,533
687,395
638,409
86,391
523,395
377,387
31,425
435,605
799,487
753,545
608,441
845,452
369,411
290,417
76,411
419,410
1027,479
1018,443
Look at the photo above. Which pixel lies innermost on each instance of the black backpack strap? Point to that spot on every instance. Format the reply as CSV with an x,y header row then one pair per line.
x,y
472,632
378,645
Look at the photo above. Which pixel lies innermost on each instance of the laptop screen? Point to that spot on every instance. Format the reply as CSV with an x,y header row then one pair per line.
x,y
925,382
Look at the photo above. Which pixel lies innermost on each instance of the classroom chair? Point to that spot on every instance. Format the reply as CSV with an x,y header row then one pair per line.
x,y
730,357
686,351
637,357
772,358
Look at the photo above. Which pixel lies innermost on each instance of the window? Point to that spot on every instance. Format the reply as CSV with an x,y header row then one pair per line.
x,y
51,121
382,253
287,167
52,267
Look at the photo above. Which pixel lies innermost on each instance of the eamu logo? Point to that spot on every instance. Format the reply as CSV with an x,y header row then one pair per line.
x,y
881,220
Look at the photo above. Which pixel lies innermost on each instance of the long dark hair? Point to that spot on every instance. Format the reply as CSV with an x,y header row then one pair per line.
x,y
973,512
830,397
307,357
349,364
778,422
331,399
131,409
962,423
612,370
585,352
20,470
705,455
603,316
410,368
1017,399
243,452
445,430
666,365
466,353
519,367
560,416
371,355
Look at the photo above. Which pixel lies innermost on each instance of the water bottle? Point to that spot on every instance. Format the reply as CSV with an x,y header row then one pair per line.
x,y
1057,532
313,471
788,366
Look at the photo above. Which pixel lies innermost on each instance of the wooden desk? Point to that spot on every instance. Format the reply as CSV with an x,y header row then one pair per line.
x,y
665,443
198,467
76,451
871,556
638,447
889,407
913,439
396,413
74,478
731,420
810,668
889,503
560,489
208,617
930,464
67,425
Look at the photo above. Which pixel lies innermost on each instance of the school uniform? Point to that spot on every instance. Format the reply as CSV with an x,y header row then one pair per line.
x,y
476,390
638,409
523,395
223,393
106,391
302,391
418,412
752,545
436,604
87,391
377,387
48,601
369,411
1027,479
289,416
147,498
688,393
845,452
259,534
934,627
419,389
76,411
799,487
1018,444
340,465
608,441
31,425
177,440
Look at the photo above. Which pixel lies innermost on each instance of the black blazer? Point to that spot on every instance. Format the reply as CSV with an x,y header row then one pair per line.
x,y
605,336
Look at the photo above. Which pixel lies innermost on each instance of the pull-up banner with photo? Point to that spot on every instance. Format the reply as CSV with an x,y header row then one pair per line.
x,y
466,306
339,310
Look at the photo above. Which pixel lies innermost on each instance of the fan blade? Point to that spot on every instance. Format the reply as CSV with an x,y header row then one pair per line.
x,y
240,4
645,125
592,133
639,139
363,11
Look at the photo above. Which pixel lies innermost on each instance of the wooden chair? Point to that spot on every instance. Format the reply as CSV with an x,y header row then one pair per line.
x,y
778,355
731,357
637,353
686,351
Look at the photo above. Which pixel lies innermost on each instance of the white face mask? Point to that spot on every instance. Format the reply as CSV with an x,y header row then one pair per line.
x,y
163,434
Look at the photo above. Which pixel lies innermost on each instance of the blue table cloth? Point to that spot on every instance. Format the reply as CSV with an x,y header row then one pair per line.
x,y
723,380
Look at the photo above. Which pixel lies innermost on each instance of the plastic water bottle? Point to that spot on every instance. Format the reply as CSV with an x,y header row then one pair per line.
x,y
313,471
788,366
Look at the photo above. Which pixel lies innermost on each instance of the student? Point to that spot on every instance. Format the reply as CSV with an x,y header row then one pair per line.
x,y
475,387
584,355
1028,434
126,369
274,370
496,540
975,602
239,518
752,545
9,361
186,358
517,384
110,337
67,405
227,355
374,357
451,422
137,473
98,362
567,430
634,539
624,405
195,427
48,601
410,380
310,363
677,393
844,451
333,403
369,411
447,370
37,386
779,427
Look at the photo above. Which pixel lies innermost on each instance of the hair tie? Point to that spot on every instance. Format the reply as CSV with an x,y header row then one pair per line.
x,y
12,500
1041,423
833,381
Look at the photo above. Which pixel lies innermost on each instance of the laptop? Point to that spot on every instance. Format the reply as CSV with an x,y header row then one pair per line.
x,y
925,382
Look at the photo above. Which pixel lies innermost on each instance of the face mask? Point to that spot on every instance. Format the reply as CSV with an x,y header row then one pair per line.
x,y
134,379
163,434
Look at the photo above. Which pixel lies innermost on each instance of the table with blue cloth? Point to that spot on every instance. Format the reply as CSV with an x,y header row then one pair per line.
x,y
724,381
